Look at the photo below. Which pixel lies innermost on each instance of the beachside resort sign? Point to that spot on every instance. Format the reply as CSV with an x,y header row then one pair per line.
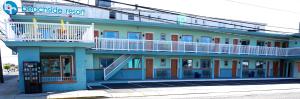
x,y
53,10
44,9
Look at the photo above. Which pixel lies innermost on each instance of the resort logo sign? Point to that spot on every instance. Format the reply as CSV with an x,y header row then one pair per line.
x,y
61,10
10,7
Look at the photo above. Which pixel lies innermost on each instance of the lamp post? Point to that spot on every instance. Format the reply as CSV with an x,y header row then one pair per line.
x,y
1,70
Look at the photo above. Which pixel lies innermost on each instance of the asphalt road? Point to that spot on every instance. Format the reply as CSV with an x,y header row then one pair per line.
x,y
9,77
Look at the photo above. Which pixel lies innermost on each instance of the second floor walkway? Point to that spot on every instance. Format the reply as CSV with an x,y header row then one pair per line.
x,y
54,32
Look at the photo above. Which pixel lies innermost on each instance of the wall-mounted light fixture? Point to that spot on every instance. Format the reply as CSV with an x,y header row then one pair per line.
x,y
101,33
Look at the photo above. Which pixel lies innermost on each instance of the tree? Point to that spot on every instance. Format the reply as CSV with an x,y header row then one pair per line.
x,y
7,66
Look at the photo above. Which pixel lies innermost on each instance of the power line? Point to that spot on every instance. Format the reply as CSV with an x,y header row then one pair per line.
x,y
259,6
195,16
168,21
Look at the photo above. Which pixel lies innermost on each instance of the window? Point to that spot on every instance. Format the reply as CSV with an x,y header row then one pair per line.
x,y
57,66
259,65
260,43
245,42
162,62
226,40
134,63
162,36
112,15
130,17
245,64
187,38
134,35
196,21
187,63
205,63
110,34
104,62
205,39
225,63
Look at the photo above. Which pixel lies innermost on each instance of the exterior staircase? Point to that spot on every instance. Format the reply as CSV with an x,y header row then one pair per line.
x,y
117,65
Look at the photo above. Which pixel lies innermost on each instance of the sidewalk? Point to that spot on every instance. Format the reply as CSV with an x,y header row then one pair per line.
x,y
9,90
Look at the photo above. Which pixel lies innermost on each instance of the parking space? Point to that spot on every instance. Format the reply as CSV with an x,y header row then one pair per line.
x,y
179,83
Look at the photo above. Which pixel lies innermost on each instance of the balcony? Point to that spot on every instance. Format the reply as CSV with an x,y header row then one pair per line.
x,y
187,47
55,32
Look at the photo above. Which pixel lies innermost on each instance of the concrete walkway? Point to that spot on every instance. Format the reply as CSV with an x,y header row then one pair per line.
x,y
9,90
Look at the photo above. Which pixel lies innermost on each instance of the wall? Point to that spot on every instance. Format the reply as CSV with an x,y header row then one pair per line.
x,y
196,34
26,54
225,71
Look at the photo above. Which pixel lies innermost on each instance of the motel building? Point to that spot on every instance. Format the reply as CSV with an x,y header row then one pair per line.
x,y
66,46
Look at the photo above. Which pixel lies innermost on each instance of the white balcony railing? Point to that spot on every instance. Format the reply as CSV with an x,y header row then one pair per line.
x,y
35,31
189,47
57,79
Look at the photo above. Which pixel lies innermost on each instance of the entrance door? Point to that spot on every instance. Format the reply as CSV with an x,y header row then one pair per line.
x,y
275,69
217,42
149,68
268,69
281,68
174,44
298,69
216,69
66,63
269,44
234,67
149,44
235,43
277,44
174,65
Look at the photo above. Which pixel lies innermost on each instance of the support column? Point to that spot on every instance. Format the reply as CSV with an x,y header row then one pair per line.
x,y
266,68
286,69
241,68
180,68
143,68
212,68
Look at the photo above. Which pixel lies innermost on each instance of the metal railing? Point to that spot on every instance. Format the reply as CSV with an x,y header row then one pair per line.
x,y
189,47
36,31
57,79
109,69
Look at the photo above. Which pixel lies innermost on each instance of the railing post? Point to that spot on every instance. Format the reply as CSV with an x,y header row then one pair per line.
x,y
229,46
92,31
183,46
171,46
196,49
248,49
257,50
286,51
143,45
128,45
239,49
67,29
156,45
219,48
208,51
276,51
113,44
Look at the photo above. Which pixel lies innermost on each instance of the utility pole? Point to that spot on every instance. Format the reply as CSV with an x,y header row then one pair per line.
x,y
1,70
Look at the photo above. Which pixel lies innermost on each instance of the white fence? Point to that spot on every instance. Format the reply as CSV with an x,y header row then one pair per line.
x,y
189,47
35,31
57,79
